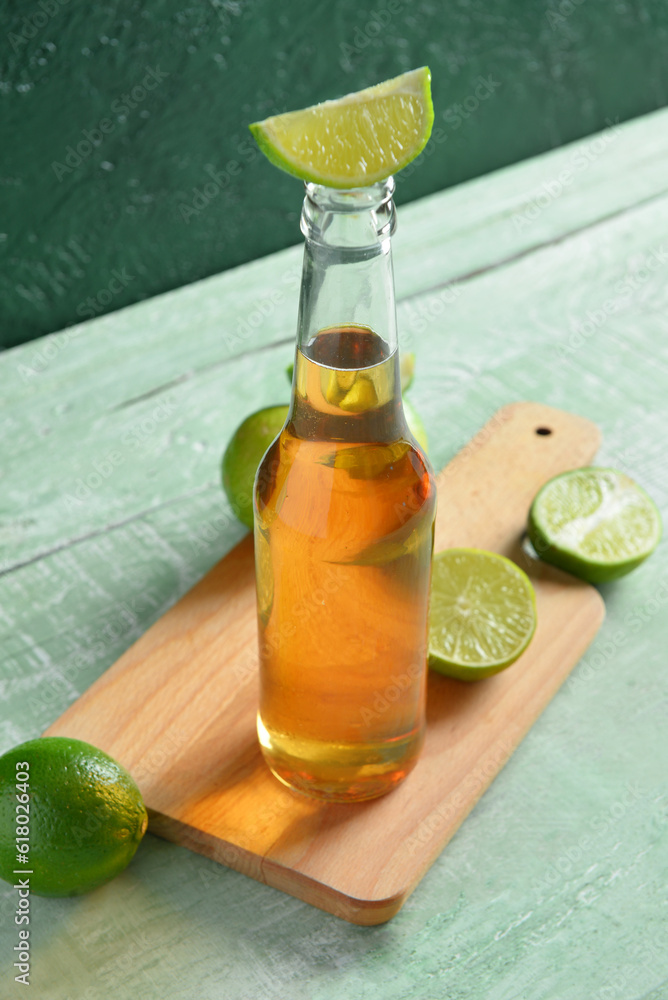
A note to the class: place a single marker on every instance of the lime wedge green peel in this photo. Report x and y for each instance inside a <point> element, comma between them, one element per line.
<point>595,523</point>
<point>356,140</point>
<point>482,613</point>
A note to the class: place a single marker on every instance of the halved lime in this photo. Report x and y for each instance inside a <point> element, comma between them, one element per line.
<point>243,455</point>
<point>482,613</point>
<point>356,140</point>
<point>595,523</point>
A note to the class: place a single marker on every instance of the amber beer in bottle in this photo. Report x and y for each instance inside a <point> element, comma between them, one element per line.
<point>344,513</point>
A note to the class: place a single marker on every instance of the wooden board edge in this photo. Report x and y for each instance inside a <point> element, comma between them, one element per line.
<point>372,910</point>
<point>363,912</point>
<point>512,739</point>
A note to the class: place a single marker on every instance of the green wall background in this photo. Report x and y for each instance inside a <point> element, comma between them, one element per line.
<point>165,92</point>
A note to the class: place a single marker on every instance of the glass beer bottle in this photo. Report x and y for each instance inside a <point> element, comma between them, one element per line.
<point>344,513</point>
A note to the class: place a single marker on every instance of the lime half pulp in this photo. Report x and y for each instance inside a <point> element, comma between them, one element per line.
<point>482,613</point>
<point>595,523</point>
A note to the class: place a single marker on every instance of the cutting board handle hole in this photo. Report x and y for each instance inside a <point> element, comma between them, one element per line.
<point>543,431</point>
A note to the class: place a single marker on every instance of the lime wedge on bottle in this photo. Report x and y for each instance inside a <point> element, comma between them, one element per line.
<point>482,613</point>
<point>595,523</point>
<point>356,140</point>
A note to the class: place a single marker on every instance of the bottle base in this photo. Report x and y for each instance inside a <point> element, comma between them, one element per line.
<point>339,772</point>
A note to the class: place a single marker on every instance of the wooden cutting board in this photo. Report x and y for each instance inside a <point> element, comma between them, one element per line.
<point>178,708</point>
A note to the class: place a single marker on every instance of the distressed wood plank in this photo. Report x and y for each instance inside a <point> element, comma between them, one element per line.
<point>571,301</point>
<point>440,239</point>
<point>572,832</point>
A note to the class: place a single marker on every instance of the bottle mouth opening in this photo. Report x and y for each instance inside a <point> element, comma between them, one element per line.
<point>374,196</point>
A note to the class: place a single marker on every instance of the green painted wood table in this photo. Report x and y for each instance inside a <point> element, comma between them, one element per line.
<point>547,281</point>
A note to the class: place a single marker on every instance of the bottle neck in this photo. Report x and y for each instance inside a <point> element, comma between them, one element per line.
<point>347,278</point>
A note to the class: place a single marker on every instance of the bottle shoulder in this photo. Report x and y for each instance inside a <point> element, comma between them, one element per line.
<point>295,471</point>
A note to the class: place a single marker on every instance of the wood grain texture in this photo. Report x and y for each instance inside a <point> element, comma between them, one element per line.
<point>568,846</point>
<point>161,386</point>
<point>191,680</point>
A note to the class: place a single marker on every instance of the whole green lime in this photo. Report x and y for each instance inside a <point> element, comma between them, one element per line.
<point>243,455</point>
<point>253,436</point>
<point>72,811</point>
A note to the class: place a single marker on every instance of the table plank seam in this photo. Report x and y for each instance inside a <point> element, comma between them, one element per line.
<point>113,526</point>
<point>202,488</point>
<point>200,370</point>
<point>536,248</point>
